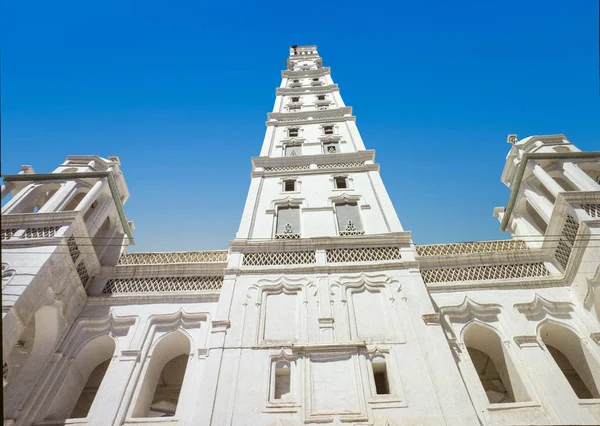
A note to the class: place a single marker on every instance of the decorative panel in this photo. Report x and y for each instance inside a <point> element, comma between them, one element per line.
<point>341,165</point>
<point>334,385</point>
<point>279,258</point>
<point>281,316</point>
<point>45,232</point>
<point>73,249</point>
<point>169,284</point>
<point>176,257</point>
<point>7,233</point>
<point>592,210</point>
<point>286,168</point>
<point>566,241</point>
<point>366,254</point>
<point>369,314</point>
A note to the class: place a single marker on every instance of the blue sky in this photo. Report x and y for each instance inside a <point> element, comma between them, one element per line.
<point>180,91</point>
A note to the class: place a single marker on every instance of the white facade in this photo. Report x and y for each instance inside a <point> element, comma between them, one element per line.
<point>322,311</point>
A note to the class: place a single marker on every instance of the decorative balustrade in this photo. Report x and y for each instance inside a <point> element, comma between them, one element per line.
<point>163,284</point>
<point>470,247</point>
<point>491,272</point>
<point>173,257</point>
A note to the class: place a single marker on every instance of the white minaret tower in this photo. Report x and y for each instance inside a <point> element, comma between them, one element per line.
<point>320,318</point>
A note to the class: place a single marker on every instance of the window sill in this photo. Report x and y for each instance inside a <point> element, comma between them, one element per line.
<point>76,421</point>
<point>389,401</point>
<point>591,401</point>
<point>150,420</point>
<point>513,405</point>
<point>283,407</point>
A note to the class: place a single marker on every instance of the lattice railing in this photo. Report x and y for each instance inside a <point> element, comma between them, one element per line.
<point>7,233</point>
<point>470,247</point>
<point>173,257</point>
<point>491,272</point>
<point>82,273</point>
<point>592,210</point>
<point>279,258</point>
<point>167,284</point>
<point>341,165</point>
<point>287,168</point>
<point>288,236</point>
<point>73,249</point>
<point>566,241</point>
<point>45,232</point>
<point>363,254</point>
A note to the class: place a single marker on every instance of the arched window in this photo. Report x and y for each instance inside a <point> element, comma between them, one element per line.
<point>102,236</point>
<point>164,377</point>
<point>348,218</point>
<point>577,365</point>
<point>30,354</point>
<point>78,392</point>
<point>35,199</point>
<point>496,372</point>
<point>537,220</point>
<point>75,200</point>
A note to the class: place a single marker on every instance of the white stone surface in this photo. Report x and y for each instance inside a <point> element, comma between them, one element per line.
<point>325,324</point>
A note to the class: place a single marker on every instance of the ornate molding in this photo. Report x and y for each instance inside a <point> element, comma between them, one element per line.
<point>542,306</point>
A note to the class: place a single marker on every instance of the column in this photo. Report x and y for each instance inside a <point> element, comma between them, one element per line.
<point>540,203</point>
<point>61,197</point>
<point>548,181</point>
<point>580,178</point>
<point>91,196</point>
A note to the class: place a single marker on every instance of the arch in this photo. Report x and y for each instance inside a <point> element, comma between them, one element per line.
<point>35,344</point>
<point>164,376</point>
<point>102,236</point>
<point>78,392</point>
<point>72,205</point>
<point>538,222</point>
<point>497,374</point>
<point>35,199</point>
<point>576,363</point>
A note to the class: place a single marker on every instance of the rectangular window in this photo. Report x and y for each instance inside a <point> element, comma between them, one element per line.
<point>348,217</point>
<point>288,222</point>
<point>294,109</point>
<point>282,381</point>
<point>293,133</point>
<point>315,79</point>
<point>341,182</point>
<point>289,185</point>
<point>293,150</point>
<point>328,130</point>
<point>295,99</point>
<point>382,386</point>
<point>321,97</point>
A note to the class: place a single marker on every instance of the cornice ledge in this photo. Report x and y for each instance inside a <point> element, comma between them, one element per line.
<point>512,283</point>
<point>345,157</point>
<point>470,308</point>
<point>527,341</point>
<point>397,238</point>
<point>312,72</point>
<point>309,115</point>
<point>306,89</point>
<point>162,270</point>
<point>120,299</point>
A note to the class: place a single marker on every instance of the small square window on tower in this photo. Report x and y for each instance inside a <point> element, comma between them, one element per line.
<point>293,132</point>
<point>289,185</point>
<point>295,99</point>
<point>341,182</point>
<point>315,79</point>
<point>331,147</point>
<point>321,97</point>
<point>328,130</point>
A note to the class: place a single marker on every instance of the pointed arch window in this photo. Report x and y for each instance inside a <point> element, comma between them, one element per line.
<point>348,218</point>
<point>579,367</point>
<point>288,222</point>
<point>164,377</point>
<point>81,386</point>
<point>497,375</point>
